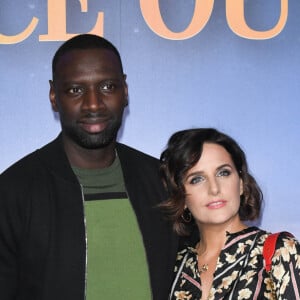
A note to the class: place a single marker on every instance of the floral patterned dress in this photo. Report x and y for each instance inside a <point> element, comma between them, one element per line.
<point>240,272</point>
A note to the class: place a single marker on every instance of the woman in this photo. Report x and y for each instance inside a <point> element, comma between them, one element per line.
<point>211,191</point>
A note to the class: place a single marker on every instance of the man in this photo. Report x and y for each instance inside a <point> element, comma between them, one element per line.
<point>79,217</point>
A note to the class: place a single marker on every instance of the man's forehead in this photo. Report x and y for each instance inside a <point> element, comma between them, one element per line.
<point>82,57</point>
<point>83,53</point>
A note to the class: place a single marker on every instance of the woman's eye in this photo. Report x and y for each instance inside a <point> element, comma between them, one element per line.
<point>224,173</point>
<point>196,179</point>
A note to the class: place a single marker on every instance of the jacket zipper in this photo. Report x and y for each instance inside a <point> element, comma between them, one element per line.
<point>86,245</point>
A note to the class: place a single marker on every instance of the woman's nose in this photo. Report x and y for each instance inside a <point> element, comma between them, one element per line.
<point>214,187</point>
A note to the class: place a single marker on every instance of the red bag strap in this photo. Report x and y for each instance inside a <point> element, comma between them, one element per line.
<point>269,249</point>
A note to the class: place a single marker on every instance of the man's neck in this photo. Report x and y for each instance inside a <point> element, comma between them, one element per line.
<point>90,158</point>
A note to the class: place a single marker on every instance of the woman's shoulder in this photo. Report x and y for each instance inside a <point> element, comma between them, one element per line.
<point>286,261</point>
<point>284,249</point>
<point>287,243</point>
<point>282,239</point>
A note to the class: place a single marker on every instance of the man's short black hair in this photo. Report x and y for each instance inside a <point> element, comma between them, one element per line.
<point>84,41</point>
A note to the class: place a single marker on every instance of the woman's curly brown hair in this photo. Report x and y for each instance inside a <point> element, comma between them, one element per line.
<point>183,151</point>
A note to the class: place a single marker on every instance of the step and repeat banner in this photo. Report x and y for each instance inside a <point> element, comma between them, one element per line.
<point>229,64</point>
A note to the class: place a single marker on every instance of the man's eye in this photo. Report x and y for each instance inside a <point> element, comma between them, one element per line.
<point>75,90</point>
<point>223,173</point>
<point>107,87</point>
<point>196,179</point>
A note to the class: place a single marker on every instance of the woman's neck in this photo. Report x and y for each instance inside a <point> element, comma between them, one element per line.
<point>213,237</point>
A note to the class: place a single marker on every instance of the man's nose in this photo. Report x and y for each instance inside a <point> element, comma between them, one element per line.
<point>93,100</point>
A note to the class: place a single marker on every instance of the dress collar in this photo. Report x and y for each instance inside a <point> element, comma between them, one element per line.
<point>231,237</point>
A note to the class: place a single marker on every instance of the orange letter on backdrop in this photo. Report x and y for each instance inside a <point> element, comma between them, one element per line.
<point>57,14</point>
<point>151,13</point>
<point>14,39</point>
<point>236,21</point>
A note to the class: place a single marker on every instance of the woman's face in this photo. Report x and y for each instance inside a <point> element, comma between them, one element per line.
<point>213,188</point>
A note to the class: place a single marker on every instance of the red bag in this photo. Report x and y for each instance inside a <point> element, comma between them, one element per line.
<point>268,252</point>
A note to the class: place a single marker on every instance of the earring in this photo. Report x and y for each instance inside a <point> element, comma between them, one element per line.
<point>186,216</point>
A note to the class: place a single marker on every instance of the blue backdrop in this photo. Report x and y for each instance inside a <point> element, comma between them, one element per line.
<point>245,86</point>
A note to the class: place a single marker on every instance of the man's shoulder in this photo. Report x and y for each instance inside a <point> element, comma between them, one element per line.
<point>135,154</point>
<point>137,164</point>
<point>28,164</point>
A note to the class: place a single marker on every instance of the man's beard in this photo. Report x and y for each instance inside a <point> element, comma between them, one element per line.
<point>92,140</point>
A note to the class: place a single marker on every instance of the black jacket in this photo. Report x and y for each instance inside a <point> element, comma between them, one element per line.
<point>42,230</point>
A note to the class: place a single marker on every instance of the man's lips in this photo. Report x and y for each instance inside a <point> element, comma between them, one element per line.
<point>216,204</point>
<point>93,125</point>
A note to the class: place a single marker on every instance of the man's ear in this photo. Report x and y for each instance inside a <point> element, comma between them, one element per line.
<point>52,96</point>
<point>125,90</point>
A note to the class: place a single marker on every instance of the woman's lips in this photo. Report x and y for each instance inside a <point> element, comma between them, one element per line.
<point>216,204</point>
